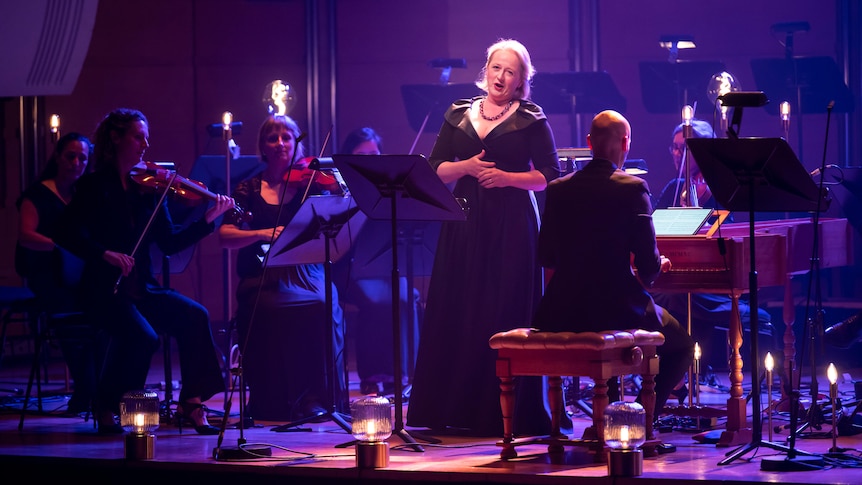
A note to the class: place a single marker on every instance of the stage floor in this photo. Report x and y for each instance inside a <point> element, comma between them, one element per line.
<point>56,446</point>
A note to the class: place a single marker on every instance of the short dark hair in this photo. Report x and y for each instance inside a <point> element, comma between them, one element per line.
<point>358,137</point>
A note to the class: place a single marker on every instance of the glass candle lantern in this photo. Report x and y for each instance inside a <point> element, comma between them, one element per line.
<point>625,432</point>
<point>371,427</point>
<point>139,415</point>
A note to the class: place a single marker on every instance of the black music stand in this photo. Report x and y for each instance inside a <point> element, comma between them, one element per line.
<point>576,92</point>
<point>210,170</point>
<point>426,103</point>
<point>372,258</point>
<point>394,188</point>
<point>810,83</point>
<point>321,221</point>
<point>668,86</point>
<point>757,175</point>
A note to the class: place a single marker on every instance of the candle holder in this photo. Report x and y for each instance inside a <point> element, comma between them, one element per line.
<point>139,415</point>
<point>625,432</point>
<point>371,427</point>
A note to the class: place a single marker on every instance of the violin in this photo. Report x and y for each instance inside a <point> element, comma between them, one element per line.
<point>152,176</point>
<point>302,173</point>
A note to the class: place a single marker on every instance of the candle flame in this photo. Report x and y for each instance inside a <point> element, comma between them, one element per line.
<point>832,374</point>
<point>769,362</point>
<point>687,114</point>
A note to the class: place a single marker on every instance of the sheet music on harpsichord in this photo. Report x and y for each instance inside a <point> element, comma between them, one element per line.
<point>679,221</point>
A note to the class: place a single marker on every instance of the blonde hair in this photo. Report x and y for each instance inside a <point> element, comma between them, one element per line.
<point>527,69</point>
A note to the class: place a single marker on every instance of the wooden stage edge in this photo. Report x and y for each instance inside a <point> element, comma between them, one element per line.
<point>53,447</point>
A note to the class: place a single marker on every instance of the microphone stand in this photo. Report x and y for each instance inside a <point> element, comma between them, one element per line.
<point>814,324</point>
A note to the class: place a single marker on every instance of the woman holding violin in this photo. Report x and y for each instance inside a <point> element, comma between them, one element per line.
<point>110,223</point>
<point>281,310</point>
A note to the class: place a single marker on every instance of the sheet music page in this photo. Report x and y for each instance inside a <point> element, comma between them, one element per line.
<point>679,221</point>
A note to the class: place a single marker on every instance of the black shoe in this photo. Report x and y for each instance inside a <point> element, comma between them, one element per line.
<point>844,334</point>
<point>193,414</point>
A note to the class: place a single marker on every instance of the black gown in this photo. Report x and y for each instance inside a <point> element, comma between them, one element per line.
<point>485,279</point>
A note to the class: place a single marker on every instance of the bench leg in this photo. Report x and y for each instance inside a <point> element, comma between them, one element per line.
<point>600,402</point>
<point>555,400</point>
<point>507,405</point>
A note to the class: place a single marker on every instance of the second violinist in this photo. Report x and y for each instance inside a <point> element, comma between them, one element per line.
<point>281,310</point>
<point>108,217</point>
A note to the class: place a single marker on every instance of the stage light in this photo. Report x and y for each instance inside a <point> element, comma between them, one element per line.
<point>673,43</point>
<point>371,427</point>
<point>720,84</point>
<point>139,415</point>
<point>279,98</point>
<point>625,432</point>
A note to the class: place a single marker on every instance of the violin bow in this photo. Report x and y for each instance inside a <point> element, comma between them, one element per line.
<point>320,154</point>
<point>147,227</point>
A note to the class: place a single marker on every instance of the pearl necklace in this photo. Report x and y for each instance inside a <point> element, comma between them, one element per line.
<point>493,118</point>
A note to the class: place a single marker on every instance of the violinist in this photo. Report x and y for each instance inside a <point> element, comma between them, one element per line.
<point>110,223</point>
<point>281,310</point>
<point>708,311</point>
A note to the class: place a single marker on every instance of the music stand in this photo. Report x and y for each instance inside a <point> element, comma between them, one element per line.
<point>809,82</point>
<point>372,259</point>
<point>576,92</point>
<point>668,86</point>
<point>210,170</point>
<point>308,239</point>
<point>756,175</point>
<point>398,187</point>
<point>426,103</point>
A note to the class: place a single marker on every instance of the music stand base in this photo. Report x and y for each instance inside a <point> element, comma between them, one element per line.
<point>335,417</point>
<point>234,453</point>
<point>796,464</point>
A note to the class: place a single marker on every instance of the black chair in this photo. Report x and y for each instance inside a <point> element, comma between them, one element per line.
<point>61,324</point>
<point>17,305</point>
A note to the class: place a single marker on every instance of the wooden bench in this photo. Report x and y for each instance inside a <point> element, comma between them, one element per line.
<point>598,355</point>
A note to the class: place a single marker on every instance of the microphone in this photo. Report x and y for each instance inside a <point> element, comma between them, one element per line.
<point>301,137</point>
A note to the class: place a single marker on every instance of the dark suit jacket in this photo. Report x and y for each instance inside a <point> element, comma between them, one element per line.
<point>595,220</point>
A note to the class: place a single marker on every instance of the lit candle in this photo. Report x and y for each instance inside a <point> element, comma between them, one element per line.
<point>139,420</point>
<point>785,119</point>
<point>624,437</point>
<point>687,115</point>
<point>696,386</point>
<point>769,363</point>
<point>832,375</point>
<point>371,428</point>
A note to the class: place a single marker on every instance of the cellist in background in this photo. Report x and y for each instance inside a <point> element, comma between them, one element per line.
<point>109,217</point>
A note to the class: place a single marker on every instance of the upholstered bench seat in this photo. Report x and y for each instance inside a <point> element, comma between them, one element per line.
<point>598,355</point>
